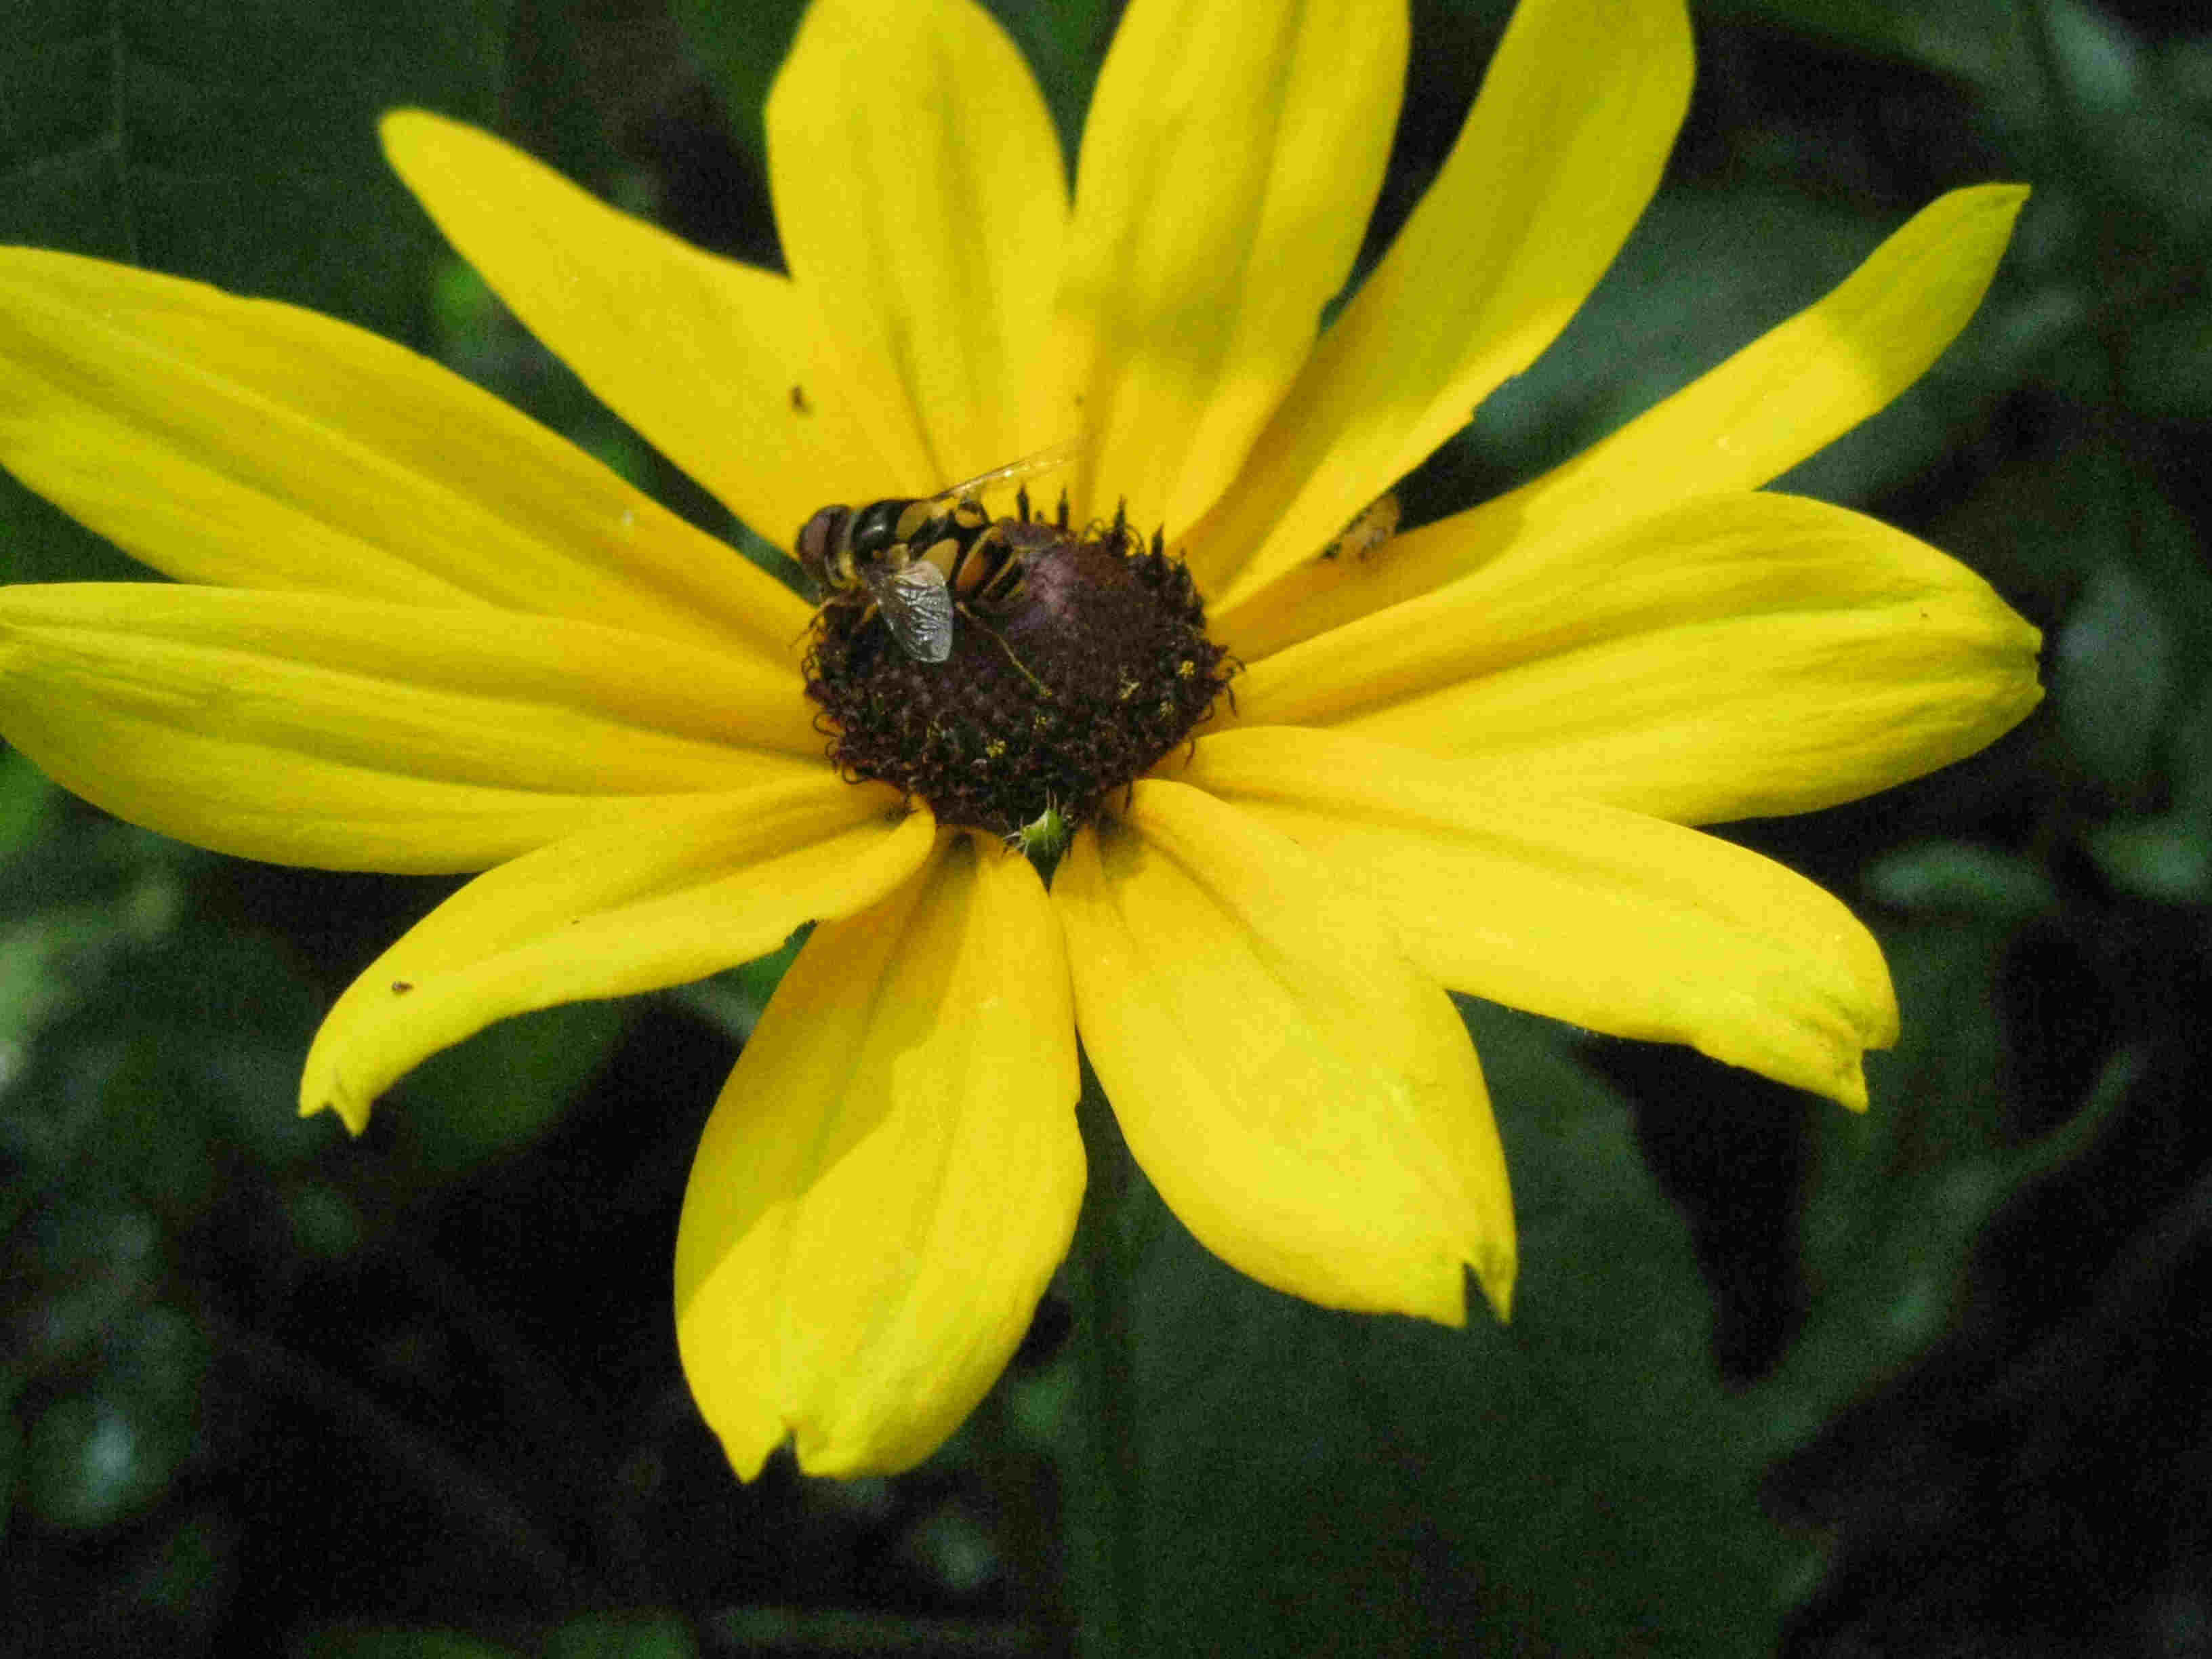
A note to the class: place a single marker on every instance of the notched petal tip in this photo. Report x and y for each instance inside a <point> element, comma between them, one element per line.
<point>889,1180</point>
<point>1606,919</point>
<point>352,1110</point>
<point>1496,1274</point>
<point>1850,1092</point>
<point>665,896</point>
<point>1305,1099</point>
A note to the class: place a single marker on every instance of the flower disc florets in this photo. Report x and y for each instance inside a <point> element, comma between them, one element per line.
<point>1088,663</point>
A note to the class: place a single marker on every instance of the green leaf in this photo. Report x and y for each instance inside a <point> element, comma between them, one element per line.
<point>623,1635</point>
<point>26,803</point>
<point>352,1643</point>
<point>11,1464</point>
<point>97,1457</point>
<point>741,48</point>
<point>1903,1192</point>
<point>1569,1484</point>
<point>325,1221</point>
<point>506,1084</point>
<point>733,1000</point>
<point>2169,362</point>
<point>1979,42</point>
<point>1958,877</point>
<point>2167,858</point>
<point>233,143</point>
<point>1704,273</point>
<point>84,1466</point>
<point>1065,41</point>
<point>2114,677</point>
<point>1579,1481</point>
<point>92,1255</point>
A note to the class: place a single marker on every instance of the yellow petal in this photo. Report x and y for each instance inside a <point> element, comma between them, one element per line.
<point>890,1177</point>
<point>723,367</point>
<point>249,443</point>
<point>1732,657</point>
<point>1230,159</point>
<point>1800,386</point>
<point>1304,1097</point>
<point>347,734</point>
<point>1788,394</point>
<point>1562,151</point>
<point>657,897</point>
<point>1605,918</point>
<point>921,200</point>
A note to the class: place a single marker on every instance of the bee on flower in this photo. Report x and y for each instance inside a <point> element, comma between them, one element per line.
<point>1280,802</point>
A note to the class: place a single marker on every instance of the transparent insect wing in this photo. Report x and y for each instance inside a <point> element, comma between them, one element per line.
<point>1044,460</point>
<point>917,607</point>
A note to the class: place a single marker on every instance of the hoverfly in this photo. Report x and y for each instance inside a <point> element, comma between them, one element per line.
<point>910,554</point>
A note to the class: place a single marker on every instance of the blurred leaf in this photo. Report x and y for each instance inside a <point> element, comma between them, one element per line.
<point>505,1084</point>
<point>61,176</point>
<point>1039,1403</point>
<point>733,1000</point>
<point>89,1256</point>
<point>1903,1191</point>
<point>2167,860</point>
<point>1065,41</point>
<point>84,1467</point>
<point>57,958</point>
<point>567,62</point>
<point>2169,363</point>
<point>741,48</point>
<point>189,1574</point>
<point>1579,1481</point>
<point>950,1547</point>
<point>42,543</point>
<point>43,964</point>
<point>26,803</point>
<point>142,1044</point>
<point>1704,273</point>
<point>2184,71</point>
<point>2065,523</point>
<point>623,1635</point>
<point>153,1133</point>
<point>1573,1482</point>
<point>326,1222</point>
<point>2190,759</point>
<point>1957,876</point>
<point>1982,43</point>
<point>100,1455</point>
<point>399,1644</point>
<point>236,1018</point>
<point>2113,678</point>
<point>235,143</point>
<point>11,1464</point>
<point>2155,156</point>
<point>2100,60</point>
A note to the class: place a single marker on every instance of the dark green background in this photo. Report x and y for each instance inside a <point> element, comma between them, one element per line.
<point>1926,1382</point>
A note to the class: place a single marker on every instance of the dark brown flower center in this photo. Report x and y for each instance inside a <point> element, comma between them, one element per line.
<point>1080,661</point>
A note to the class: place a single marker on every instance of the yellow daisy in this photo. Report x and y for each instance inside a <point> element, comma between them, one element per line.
<point>410,631</point>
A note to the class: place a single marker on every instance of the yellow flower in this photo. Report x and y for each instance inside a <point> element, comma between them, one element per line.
<point>409,631</point>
